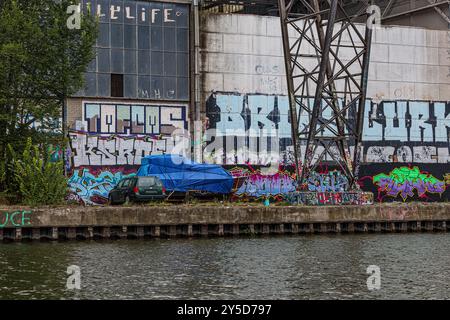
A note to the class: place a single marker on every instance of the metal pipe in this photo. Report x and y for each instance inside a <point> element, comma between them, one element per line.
<point>290,85</point>
<point>361,106</point>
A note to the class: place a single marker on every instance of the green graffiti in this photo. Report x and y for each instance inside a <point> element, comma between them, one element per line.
<point>15,219</point>
<point>405,180</point>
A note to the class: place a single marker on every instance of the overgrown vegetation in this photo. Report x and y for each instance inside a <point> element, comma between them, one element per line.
<point>38,179</point>
<point>42,62</point>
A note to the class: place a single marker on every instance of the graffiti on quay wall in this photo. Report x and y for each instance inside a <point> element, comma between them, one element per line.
<point>91,186</point>
<point>19,218</point>
<point>447,178</point>
<point>255,184</point>
<point>330,198</point>
<point>404,181</point>
<point>394,131</point>
<point>333,181</point>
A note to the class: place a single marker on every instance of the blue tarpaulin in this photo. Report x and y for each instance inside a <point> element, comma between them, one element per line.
<point>180,174</point>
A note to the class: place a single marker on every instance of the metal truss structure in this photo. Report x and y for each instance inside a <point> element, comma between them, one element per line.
<point>326,47</point>
<point>390,9</point>
<point>327,61</point>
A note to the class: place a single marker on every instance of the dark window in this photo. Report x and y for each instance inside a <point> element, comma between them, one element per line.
<point>126,183</point>
<point>146,181</point>
<point>116,85</point>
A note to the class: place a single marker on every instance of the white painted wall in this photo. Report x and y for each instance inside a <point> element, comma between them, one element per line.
<point>243,53</point>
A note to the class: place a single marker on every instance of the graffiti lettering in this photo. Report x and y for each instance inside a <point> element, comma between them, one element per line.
<point>333,181</point>
<point>394,131</point>
<point>405,180</point>
<point>330,198</point>
<point>15,219</point>
<point>94,189</point>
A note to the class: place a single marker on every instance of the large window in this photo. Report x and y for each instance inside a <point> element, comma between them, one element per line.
<point>142,47</point>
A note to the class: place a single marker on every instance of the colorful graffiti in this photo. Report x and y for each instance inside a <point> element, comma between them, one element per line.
<point>19,218</point>
<point>404,181</point>
<point>92,187</point>
<point>447,178</point>
<point>330,198</point>
<point>333,181</point>
<point>100,150</point>
<point>134,119</point>
<point>394,131</point>
<point>116,134</point>
<point>257,185</point>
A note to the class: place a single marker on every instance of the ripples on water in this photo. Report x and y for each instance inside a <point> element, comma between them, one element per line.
<point>413,266</point>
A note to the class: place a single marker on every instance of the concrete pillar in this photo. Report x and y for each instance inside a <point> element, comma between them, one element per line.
<point>36,234</point>
<point>323,228</point>
<point>204,230</point>
<point>392,227</point>
<point>419,226</point>
<point>190,232</point>
<point>140,232</point>
<point>157,231</point>
<point>251,227</point>
<point>124,232</point>
<point>311,228</point>
<point>351,227</point>
<point>172,231</point>
<point>55,233</point>
<point>71,233</point>
<point>221,233</point>
<point>281,228</point>
<point>265,229</point>
<point>235,229</point>
<point>90,233</point>
<point>338,227</point>
<point>444,226</point>
<point>377,227</point>
<point>404,227</point>
<point>294,228</point>
<point>106,232</point>
<point>365,227</point>
<point>18,234</point>
<point>429,225</point>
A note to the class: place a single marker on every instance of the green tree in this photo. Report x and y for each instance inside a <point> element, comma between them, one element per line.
<point>42,62</point>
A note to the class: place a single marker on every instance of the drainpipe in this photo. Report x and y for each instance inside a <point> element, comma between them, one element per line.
<point>196,121</point>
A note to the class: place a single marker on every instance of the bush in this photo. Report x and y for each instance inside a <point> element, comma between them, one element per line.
<point>39,180</point>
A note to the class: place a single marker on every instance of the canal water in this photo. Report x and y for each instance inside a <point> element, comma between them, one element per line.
<point>412,266</point>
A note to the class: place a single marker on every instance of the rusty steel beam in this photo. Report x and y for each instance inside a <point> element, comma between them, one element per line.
<point>327,62</point>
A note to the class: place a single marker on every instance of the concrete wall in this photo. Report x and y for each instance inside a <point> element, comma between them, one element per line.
<point>109,138</point>
<point>243,53</point>
<point>407,118</point>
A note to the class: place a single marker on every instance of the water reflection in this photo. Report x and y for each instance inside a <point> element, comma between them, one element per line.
<point>413,266</point>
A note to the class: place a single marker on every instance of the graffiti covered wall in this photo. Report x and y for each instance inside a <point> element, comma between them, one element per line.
<point>415,182</point>
<point>403,141</point>
<point>394,131</point>
<point>111,140</point>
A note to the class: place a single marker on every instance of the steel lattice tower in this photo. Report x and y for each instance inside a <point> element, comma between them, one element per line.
<point>326,57</point>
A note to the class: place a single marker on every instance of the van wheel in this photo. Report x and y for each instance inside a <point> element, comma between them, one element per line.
<point>127,201</point>
<point>110,201</point>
